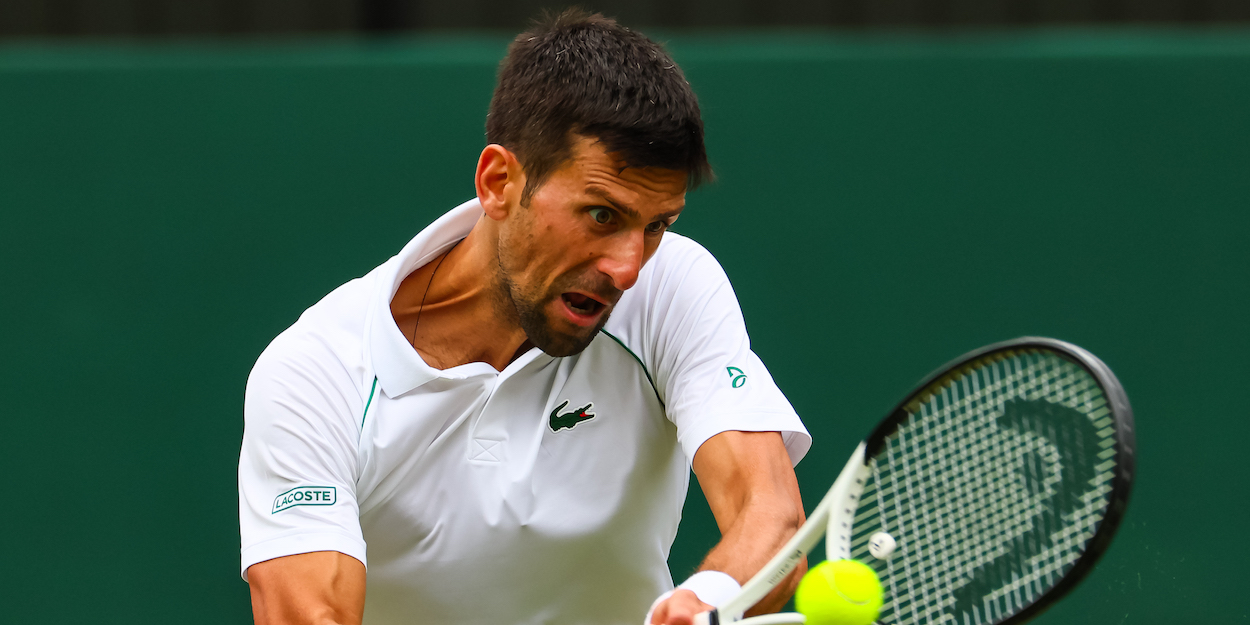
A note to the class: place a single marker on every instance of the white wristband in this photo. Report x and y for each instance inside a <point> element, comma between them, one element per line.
<point>711,587</point>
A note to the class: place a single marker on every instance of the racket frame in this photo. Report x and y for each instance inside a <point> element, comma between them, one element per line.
<point>836,510</point>
<point>1125,445</point>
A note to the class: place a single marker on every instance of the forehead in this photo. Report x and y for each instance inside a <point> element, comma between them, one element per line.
<point>591,169</point>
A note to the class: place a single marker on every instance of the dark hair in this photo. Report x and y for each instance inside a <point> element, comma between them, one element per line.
<point>583,74</point>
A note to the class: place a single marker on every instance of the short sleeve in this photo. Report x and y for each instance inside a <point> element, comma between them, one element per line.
<point>298,465</point>
<point>709,378</point>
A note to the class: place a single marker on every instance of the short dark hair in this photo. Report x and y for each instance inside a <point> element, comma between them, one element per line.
<point>580,74</point>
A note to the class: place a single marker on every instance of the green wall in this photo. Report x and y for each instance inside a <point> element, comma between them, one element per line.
<point>884,204</point>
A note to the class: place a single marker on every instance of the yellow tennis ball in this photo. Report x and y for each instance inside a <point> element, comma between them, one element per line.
<point>839,592</point>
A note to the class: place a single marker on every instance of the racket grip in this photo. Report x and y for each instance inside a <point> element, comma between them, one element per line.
<point>707,618</point>
<point>782,618</point>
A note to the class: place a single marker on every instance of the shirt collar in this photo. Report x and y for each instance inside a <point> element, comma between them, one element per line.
<point>396,364</point>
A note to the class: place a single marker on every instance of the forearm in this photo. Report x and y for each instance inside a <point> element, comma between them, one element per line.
<point>751,488</point>
<point>759,531</point>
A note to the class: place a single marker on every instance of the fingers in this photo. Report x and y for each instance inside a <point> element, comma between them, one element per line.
<point>679,609</point>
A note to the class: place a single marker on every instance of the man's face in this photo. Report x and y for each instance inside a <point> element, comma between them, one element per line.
<point>567,257</point>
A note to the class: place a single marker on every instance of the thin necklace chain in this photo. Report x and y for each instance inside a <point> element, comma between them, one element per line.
<point>421,306</point>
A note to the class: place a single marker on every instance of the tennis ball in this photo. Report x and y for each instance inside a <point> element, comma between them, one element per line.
<point>839,592</point>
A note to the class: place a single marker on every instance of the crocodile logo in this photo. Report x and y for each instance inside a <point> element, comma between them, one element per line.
<point>570,419</point>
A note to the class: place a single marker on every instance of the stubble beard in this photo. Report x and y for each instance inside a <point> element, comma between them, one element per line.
<point>527,310</point>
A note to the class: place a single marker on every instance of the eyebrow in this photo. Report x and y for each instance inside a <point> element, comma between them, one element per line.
<point>605,196</point>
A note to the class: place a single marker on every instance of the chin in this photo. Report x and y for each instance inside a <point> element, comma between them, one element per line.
<point>562,343</point>
<point>554,335</point>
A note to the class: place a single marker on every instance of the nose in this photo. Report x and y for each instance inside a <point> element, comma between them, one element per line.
<point>622,260</point>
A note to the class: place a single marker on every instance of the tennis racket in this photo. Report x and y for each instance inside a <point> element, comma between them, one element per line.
<point>1000,481</point>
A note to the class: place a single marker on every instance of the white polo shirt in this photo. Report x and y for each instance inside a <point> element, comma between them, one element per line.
<point>549,492</point>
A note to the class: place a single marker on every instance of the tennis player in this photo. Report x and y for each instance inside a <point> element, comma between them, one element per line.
<point>497,425</point>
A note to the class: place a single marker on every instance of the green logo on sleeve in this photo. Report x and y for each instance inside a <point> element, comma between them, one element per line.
<point>570,419</point>
<point>737,376</point>
<point>305,496</point>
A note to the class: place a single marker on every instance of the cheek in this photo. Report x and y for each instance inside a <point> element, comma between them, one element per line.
<point>548,252</point>
<point>534,259</point>
<point>649,249</point>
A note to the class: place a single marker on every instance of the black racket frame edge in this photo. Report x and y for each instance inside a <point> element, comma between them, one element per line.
<point>1126,452</point>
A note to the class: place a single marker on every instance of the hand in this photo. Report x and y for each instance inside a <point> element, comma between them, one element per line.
<point>679,609</point>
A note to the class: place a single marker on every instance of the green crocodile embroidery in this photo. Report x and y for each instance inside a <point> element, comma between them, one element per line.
<point>570,419</point>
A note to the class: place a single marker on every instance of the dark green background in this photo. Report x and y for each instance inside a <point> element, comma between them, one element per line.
<point>884,204</point>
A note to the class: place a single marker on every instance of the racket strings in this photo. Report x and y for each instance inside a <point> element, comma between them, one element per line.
<point>986,469</point>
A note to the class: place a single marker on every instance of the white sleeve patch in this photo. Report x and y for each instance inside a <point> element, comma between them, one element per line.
<point>305,496</point>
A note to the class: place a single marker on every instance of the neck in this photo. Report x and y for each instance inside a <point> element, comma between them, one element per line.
<point>454,312</point>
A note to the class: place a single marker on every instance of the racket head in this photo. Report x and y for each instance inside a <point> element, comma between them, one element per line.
<point>1002,479</point>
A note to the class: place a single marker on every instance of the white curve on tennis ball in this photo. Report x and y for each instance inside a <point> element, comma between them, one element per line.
<point>881,545</point>
<point>847,599</point>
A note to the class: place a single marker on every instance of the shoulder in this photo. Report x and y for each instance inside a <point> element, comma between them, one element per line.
<point>681,273</point>
<point>680,253</point>
<point>681,289</point>
<point>319,361</point>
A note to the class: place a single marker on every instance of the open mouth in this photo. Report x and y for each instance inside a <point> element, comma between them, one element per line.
<point>582,305</point>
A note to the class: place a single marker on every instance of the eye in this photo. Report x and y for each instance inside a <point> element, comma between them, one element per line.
<point>601,215</point>
<point>656,227</point>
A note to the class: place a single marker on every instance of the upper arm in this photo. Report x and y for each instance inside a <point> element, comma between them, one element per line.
<point>318,588</point>
<point>741,470</point>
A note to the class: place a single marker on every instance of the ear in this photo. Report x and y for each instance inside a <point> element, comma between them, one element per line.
<point>499,180</point>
